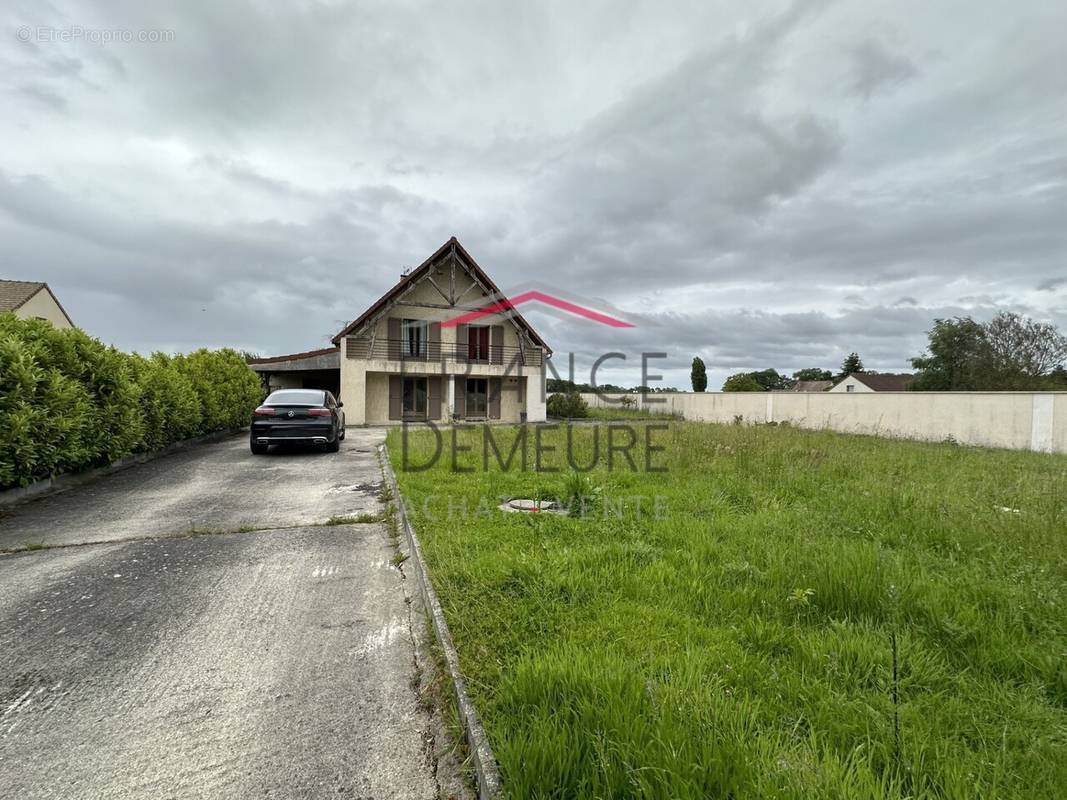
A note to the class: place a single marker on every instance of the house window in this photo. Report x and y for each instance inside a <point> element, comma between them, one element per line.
<point>414,334</point>
<point>477,397</point>
<point>478,343</point>
<point>413,402</point>
<point>849,387</point>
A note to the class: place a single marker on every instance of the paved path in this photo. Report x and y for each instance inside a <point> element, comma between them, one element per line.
<point>276,663</point>
<point>221,486</point>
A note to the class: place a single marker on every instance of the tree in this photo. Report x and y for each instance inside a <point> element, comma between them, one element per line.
<point>959,358</point>
<point>770,379</point>
<point>813,374</point>
<point>742,382</point>
<point>1010,352</point>
<point>850,365</point>
<point>1022,350</point>
<point>1058,379</point>
<point>699,375</point>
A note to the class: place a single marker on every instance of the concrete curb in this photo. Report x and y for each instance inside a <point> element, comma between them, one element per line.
<point>60,483</point>
<point>485,766</point>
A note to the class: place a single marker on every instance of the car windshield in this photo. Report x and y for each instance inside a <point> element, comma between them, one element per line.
<point>297,397</point>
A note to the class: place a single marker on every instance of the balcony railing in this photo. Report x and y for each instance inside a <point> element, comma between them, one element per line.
<point>464,353</point>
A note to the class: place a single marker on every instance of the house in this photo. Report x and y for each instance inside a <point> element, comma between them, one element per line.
<point>811,386</point>
<point>429,349</point>
<point>33,300</point>
<point>874,382</point>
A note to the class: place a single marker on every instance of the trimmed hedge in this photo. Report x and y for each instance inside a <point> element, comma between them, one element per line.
<point>68,402</point>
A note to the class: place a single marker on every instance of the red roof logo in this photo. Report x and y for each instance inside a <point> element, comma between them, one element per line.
<point>509,304</point>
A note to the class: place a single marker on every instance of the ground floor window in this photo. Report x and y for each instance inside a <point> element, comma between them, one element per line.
<point>477,397</point>
<point>413,402</point>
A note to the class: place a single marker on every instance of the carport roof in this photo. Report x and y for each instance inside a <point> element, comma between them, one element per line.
<point>326,358</point>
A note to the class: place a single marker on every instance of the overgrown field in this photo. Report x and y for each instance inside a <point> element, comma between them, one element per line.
<point>732,633</point>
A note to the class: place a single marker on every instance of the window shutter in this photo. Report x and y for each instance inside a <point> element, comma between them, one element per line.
<point>396,396</point>
<point>394,338</point>
<point>496,344</point>
<point>433,402</point>
<point>461,343</point>
<point>494,398</point>
<point>433,352</point>
<point>461,396</point>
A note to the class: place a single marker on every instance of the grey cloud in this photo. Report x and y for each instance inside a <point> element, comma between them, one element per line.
<point>263,177</point>
<point>44,96</point>
<point>877,69</point>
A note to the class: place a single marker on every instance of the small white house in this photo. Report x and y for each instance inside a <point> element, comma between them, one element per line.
<point>874,382</point>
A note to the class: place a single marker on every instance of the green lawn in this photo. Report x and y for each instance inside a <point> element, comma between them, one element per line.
<point>739,643</point>
<point>621,412</point>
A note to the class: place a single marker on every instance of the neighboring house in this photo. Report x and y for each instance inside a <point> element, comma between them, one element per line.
<point>405,358</point>
<point>32,300</point>
<point>874,382</point>
<point>811,386</point>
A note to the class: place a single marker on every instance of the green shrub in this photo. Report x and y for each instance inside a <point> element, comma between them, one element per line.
<point>226,388</point>
<point>45,416</point>
<point>567,406</point>
<point>68,402</point>
<point>169,405</point>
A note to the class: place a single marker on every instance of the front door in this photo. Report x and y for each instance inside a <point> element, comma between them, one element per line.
<point>477,398</point>
<point>414,398</point>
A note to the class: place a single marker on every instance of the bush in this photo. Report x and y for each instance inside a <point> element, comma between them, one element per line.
<point>68,402</point>
<point>169,405</point>
<point>567,406</point>
<point>227,389</point>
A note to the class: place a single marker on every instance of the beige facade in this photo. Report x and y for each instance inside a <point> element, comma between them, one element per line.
<point>405,360</point>
<point>1014,420</point>
<point>851,385</point>
<point>31,300</point>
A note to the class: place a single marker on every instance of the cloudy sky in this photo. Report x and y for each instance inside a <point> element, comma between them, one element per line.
<point>762,184</point>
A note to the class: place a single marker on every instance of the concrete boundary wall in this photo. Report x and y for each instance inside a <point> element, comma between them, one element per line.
<point>1011,420</point>
<point>482,759</point>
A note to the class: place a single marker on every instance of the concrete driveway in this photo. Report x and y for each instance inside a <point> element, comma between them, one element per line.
<point>215,487</point>
<point>137,660</point>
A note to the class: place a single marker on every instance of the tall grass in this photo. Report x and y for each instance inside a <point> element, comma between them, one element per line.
<point>810,615</point>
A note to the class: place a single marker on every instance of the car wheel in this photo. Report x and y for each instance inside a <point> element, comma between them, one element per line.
<point>258,449</point>
<point>334,446</point>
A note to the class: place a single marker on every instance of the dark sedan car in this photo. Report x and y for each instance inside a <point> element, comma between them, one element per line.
<point>307,416</point>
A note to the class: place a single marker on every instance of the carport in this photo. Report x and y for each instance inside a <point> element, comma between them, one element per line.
<point>315,369</point>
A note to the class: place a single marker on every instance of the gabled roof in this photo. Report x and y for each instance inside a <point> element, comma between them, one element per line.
<point>450,249</point>
<point>812,386</point>
<point>884,381</point>
<point>15,294</point>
